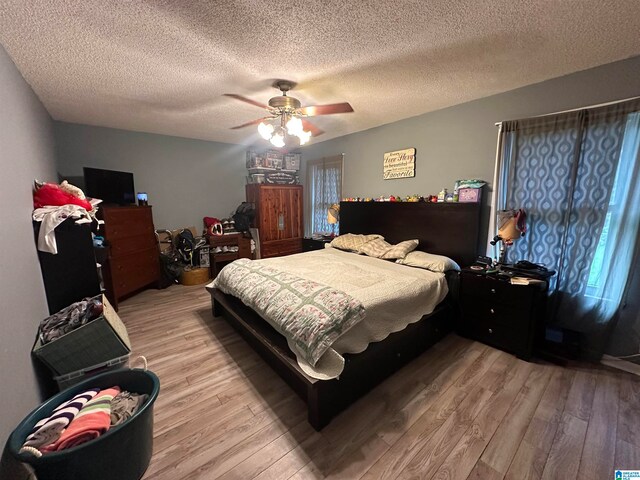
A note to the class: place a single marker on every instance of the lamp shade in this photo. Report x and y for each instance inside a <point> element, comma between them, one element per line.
<point>508,231</point>
<point>333,214</point>
<point>511,224</point>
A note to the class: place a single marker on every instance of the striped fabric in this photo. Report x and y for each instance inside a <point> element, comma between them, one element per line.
<point>49,429</point>
<point>92,421</point>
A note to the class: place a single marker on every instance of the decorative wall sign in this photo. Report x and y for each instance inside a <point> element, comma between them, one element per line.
<point>400,164</point>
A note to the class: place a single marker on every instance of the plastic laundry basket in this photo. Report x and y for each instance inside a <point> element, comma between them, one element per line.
<point>122,453</point>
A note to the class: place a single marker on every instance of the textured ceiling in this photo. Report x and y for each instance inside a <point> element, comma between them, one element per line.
<point>162,66</point>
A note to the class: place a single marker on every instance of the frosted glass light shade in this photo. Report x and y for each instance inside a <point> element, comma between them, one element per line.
<point>277,140</point>
<point>304,137</point>
<point>294,126</point>
<point>265,130</point>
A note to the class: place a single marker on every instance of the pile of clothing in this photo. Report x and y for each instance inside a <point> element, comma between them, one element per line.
<point>83,418</point>
<point>69,318</point>
<point>55,203</point>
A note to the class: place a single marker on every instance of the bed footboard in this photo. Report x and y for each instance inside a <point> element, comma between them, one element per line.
<point>327,398</point>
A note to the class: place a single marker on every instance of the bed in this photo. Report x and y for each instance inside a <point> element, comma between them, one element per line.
<point>445,229</point>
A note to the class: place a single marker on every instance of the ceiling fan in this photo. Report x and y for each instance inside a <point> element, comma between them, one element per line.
<point>286,116</point>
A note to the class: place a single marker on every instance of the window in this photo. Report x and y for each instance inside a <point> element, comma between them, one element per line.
<point>612,228</point>
<point>324,188</point>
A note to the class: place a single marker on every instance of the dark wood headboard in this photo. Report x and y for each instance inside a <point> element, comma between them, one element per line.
<point>449,229</point>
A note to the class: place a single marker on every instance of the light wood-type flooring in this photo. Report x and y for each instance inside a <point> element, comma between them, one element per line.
<point>462,410</point>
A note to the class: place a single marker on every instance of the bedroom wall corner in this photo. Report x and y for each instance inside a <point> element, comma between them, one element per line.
<point>26,153</point>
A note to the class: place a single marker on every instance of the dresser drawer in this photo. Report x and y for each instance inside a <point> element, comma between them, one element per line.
<point>132,272</point>
<point>126,246</point>
<point>507,338</point>
<point>497,291</point>
<point>127,222</point>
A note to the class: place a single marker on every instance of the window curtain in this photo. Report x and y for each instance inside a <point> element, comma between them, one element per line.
<point>576,176</point>
<point>324,188</point>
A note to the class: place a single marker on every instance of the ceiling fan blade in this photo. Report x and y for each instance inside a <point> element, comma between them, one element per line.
<point>245,100</point>
<point>310,127</point>
<point>315,110</point>
<point>252,122</point>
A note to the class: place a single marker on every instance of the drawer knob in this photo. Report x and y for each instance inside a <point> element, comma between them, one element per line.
<point>492,311</point>
<point>493,290</point>
<point>490,330</point>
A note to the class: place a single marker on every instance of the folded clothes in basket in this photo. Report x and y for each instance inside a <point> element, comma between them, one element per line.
<point>70,318</point>
<point>49,429</point>
<point>125,405</point>
<point>92,421</point>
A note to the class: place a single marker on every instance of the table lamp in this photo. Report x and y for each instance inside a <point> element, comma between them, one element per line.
<point>333,216</point>
<point>511,227</point>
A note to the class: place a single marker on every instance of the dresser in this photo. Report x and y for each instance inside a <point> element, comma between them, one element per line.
<point>505,316</point>
<point>133,261</point>
<point>278,218</point>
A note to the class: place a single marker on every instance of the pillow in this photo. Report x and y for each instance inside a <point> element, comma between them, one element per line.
<point>400,250</point>
<point>353,243</point>
<point>376,248</point>
<point>429,261</point>
<point>380,249</point>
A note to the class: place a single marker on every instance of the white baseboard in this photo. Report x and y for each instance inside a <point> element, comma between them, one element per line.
<point>625,365</point>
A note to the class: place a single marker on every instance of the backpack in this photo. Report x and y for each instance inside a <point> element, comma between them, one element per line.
<point>244,216</point>
<point>185,243</point>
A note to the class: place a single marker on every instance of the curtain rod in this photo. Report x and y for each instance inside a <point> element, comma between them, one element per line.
<point>576,109</point>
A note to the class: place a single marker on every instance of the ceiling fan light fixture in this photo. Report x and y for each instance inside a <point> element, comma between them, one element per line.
<point>277,140</point>
<point>294,126</point>
<point>304,137</point>
<point>265,130</point>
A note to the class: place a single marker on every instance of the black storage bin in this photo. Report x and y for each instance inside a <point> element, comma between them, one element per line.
<point>122,453</point>
<point>71,274</point>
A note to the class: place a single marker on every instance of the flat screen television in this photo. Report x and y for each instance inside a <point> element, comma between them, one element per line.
<point>110,186</point>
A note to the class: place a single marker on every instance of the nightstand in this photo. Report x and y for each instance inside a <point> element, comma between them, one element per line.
<point>231,240</point>
<point>311,244</point>
<point>505,316</point>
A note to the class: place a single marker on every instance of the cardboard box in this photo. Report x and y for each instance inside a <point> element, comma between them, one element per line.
<point>94,343</point>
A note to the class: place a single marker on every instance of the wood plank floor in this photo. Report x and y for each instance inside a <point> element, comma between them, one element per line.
<point>460,411</point>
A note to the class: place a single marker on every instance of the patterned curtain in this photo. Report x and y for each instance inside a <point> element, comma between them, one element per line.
<point>570,172</point>
<point>324,187</point>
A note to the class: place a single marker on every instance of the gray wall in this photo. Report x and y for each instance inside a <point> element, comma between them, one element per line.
<point>460,141</point>
<point>185,179</point>
<point>26,152</point>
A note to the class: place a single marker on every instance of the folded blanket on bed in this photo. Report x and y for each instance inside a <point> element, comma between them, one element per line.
<point>309,314</point>
<point>49,429</point>
<point>91,422</point>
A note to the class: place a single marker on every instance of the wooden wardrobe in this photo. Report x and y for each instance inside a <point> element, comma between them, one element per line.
<point>278,218</point>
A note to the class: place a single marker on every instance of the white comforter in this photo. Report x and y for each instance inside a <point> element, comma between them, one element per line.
<point>393,296</point>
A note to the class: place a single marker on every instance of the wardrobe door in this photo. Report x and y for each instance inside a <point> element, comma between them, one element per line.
<point>270,209</point>
<point>292,208</point>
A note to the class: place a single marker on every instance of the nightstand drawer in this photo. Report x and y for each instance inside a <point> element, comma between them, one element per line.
<point>498,335</point>
<point>490,309</point>
<point>497,291</point>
